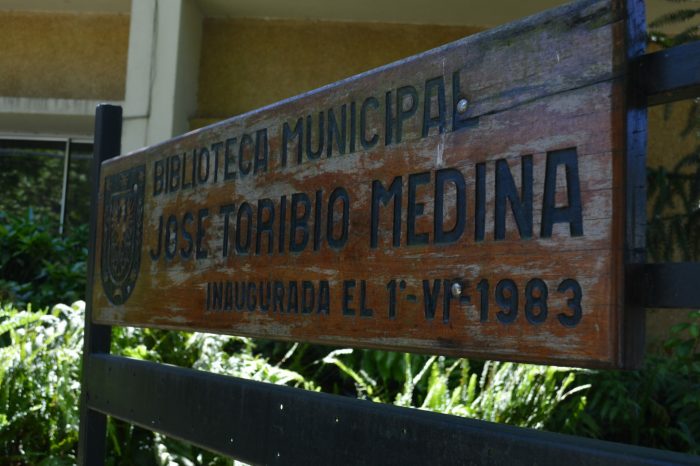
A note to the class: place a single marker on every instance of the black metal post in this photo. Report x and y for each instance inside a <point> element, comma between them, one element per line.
<point>93,424</point>
<point>671,285</point>
<point>633,321</point>
<point>671,74</point>
<point>662,77</point>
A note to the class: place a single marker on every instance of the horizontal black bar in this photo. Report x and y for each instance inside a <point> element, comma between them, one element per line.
<point>670,285</point>
<point>671,74</point>
<point>267,424</point>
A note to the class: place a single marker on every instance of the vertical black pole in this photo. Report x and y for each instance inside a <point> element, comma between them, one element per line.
<point>93,425</point>
<point>633,325</point>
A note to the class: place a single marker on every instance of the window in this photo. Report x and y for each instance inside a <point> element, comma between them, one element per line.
<point>50,176</point>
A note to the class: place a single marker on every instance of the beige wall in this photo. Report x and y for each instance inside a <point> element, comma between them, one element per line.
<point>248,63</point>
<point>63,55</point>
<point>666,143</point>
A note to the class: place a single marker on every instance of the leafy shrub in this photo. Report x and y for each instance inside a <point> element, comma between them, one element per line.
<point>680,17</point>
<point>40,360</point>
<point>519,394</point>
<point>673,231</point>
<point>37,264</point>
<point>674,223</point>
<point>657,406</point>
<point>233,356</point>
<point>39,384</point>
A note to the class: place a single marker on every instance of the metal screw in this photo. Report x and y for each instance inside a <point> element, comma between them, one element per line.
<point>456,290</point>
<point>462,105</point>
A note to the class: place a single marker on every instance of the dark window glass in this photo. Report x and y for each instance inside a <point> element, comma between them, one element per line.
<point>31,176</point>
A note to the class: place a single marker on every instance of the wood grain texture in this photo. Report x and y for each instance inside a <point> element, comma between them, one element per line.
<point>519,200</point>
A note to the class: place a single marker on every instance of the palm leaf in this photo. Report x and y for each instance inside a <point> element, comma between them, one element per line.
<point>688,35</point>
<point>674,17</point>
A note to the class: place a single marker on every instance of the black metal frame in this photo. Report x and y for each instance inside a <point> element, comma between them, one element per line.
<point>263,423</point>
<point>97,338</point>
<point>670,75</point>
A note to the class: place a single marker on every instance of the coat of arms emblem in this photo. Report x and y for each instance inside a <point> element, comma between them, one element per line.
<point>122,232</point>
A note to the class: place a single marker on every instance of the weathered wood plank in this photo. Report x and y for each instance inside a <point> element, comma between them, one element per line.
<point>352,214</point>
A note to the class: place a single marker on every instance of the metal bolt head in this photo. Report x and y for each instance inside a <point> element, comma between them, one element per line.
<point>456,290</point>
<point>462,105</point>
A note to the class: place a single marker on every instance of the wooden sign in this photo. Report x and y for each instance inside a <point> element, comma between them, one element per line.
<point>466,201</point>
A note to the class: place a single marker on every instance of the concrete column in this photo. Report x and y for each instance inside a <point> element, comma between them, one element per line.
<point>162,71</point>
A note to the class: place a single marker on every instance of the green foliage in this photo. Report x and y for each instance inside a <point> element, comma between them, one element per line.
<point>37,264</point>
<point>40,361</point>
<point>690,32</point>
<point>673,230</point>
<point>657,406</point>
<point>220,354</point>
<point>234,356</point>
<point>524,395</point>
<point>376,375</point>
<point>31,174</point>
<point>518,394</point>
<point>31,177</point>
<point>39,384</point>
